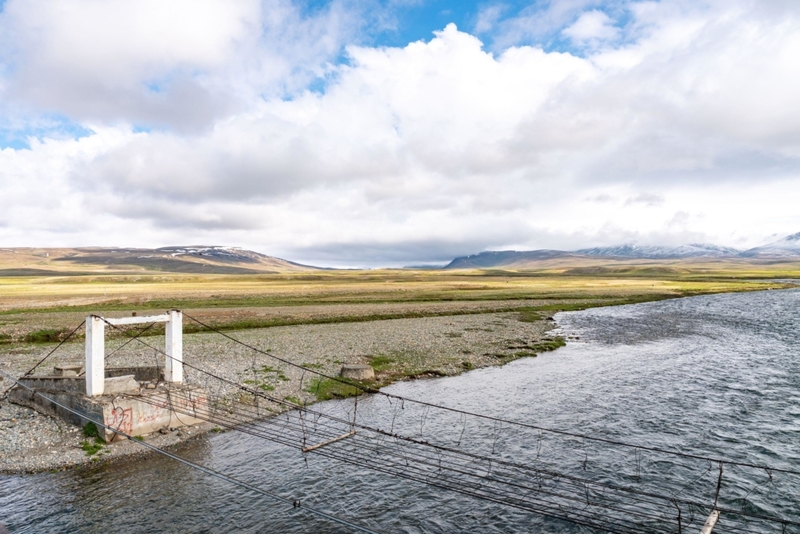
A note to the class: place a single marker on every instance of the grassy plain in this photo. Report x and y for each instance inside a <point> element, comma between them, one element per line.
<point>30,304</point>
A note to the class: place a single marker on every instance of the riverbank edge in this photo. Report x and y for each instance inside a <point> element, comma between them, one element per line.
<point>71,453</point>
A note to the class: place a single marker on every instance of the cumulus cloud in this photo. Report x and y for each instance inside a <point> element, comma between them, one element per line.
<point>182,64</point>
<point>685,127</point>
<point>592,26</point>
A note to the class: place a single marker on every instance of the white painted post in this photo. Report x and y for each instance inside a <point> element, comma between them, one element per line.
<point>173,366</point>
<point>95,356</point>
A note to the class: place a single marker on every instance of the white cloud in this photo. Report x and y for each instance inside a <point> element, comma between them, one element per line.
<point>592,26</point>
<point>539,22</point>
<point>689,131</point>
<point>180,64</point>
<point>488,17</point>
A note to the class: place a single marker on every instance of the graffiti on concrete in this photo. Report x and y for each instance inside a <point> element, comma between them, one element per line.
<point>121,419</point>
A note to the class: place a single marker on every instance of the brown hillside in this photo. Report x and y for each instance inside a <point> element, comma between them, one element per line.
<point>193,260</point>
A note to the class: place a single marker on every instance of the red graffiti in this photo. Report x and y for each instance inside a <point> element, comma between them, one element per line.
<point>121,419</point>
<point>150,417</point>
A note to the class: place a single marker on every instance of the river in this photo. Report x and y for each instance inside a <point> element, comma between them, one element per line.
<point>714,376</point>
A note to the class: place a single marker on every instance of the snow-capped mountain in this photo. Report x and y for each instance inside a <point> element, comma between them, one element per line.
<point>695,250</point>
<point>787,247</point>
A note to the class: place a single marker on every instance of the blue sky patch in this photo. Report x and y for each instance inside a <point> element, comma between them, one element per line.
<point>51,126</point>
<point>498,24</point>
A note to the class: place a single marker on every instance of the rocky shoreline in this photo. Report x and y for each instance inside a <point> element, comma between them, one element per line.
<point>398,349</point>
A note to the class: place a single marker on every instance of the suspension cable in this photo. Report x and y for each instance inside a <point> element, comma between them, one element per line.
<point>207,470</point>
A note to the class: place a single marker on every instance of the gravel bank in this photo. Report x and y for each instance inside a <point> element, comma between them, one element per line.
<point>429,346</point>
<point>15,325</point>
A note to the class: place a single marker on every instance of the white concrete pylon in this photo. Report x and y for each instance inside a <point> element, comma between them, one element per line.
<point>95,347</point>
<point>95,356</point>
<point>173,366</point>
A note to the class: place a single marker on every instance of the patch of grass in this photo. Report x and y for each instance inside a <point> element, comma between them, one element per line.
<point>467,365</point>
<point>138,438</point>
<point>92,448</point>
<point>5,338</point>
<point>380,362</point>
<point>325,388</point>
<point>45,336</point>
<point>266,369</point>
<point>313,365</point>
<point>90,430</point>
<point>265,378</point>
<point>94,443</point>
<point>293,400</point>
<point>530,315</point>
<point>548,344</point>
<point>532,349</point>
<point>264,386</point>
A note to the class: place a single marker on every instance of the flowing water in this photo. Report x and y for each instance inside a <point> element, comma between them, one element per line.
<point>715,376</point>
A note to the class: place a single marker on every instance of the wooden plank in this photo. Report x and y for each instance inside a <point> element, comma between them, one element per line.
<point>710,522</point>
<point>334,440</point>
<point>117,321</point>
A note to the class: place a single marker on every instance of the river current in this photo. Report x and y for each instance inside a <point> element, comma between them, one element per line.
<point>712,376</point>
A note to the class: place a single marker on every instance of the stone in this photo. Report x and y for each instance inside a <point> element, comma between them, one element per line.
<point>67,370</point>
<point>357,372</point>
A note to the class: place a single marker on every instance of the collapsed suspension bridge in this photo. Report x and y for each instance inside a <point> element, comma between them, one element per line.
<point>548,472</point>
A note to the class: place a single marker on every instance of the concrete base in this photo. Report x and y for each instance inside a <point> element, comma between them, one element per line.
<point>357,372</point>
<point>135,409</point>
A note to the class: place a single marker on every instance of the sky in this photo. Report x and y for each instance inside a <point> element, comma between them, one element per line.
<point>369,133</point>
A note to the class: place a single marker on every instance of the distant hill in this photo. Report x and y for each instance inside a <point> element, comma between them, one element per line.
<point>505,258</point>
<point>786,249</point>
<point>654,252</point>
<point>96,260</point>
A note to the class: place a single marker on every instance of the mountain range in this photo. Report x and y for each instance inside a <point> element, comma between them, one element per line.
<point>785,249</point>
<point>232,260</point>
